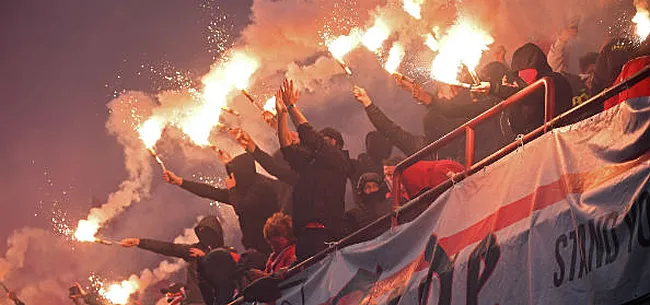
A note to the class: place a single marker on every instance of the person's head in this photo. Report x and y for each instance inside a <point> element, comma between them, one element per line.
<point>588,63</point>
<point>278,231</point>
<point>332,137</point>
<point>370,188</point>
<point>242,168</point>
<point>529,61</point>
<point>209,232</point>
<point>389,167</point>
<point>377,145</point>
<point>613,55</point>
<point>493,71</point>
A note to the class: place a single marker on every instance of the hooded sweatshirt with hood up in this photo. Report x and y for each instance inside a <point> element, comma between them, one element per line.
<point>370,208</point>
<point>210,235</point>
<point>529,62</point>
<point>378,148</point>
<point>253,199</point>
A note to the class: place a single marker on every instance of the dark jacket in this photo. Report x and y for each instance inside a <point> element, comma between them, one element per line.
<point>319,194</point>
<point>378,148</point>
<point>277,166</point>
<point>210,235</point>
<point>529,114</point>
<point>610,61</point>
<point>253,200</point>
<point>369,209</point>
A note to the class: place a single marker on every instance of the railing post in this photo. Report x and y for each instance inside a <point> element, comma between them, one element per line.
<point>549,102</point>
<point>397,194</point>
<point>469,146</point>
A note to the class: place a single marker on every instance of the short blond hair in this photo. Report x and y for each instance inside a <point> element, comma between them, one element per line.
<point>279,224</point>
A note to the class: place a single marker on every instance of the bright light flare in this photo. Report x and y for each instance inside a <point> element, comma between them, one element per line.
<point>269,105</point>
<point>119,293</point>
<point>431,42</point>
<point>395,56</point>
<point>151,131</point>
<point>375,36</point>
<point>642,21</point>
<point>343,44</point>
<point>413,8</point>
<point>463,44</point>
<point>240,68</point>
<point>86,230</point>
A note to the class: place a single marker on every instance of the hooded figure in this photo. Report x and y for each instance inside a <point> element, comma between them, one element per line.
<point>253,199</point>
<point>372,204</point>
<point>609,63</point>
<point>378,148</point>
<point>210,235</point>
<point>529,62</point>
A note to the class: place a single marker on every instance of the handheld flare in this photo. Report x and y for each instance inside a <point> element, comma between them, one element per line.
<point>248,96</point>
<point>231,111</point>
<point>344,66</point>
<point>104,242</point>
<point>4,287</point>
<point>158,160</point>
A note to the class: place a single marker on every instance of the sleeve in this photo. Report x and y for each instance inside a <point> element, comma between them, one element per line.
<point>506,87</point>
<point>408,143</point>
<point>283,173</point>
<point>558,56</point>
<point>297,157</point>
<point>207,191</point>
<point>165,248</point>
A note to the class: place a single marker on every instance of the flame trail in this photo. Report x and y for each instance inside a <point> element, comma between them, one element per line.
<point>269,105</point>
<point>642,21</point>
<point>375,36</point>
<point>413,8</point>
<point>463,44</point>
<point>431,42</point>
<point>395,56</point>
<point>342,45</point>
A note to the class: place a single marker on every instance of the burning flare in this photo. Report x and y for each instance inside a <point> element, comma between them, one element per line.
<point>269,105</point>
<point>642,21</point>
<point>119,293</point>
<point>431,42</point>
<point>375,36</point>
<point>151,131</point>
<point>463,44</point>
<point>86,230</point>
<point>343,44</point>
<point>395,56</point>
<point>413,8</point>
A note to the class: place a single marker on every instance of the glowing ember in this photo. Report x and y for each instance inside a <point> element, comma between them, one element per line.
<point>342,45</point>
<point>642,21</point>
<point>119,293</point>
<point>269,105</point>
<point>151,131</point>
<point>395,56</point>
<point>413,8</point>
<point>376,35</point>
<point>86,230</point>
<point>463,44</point>
<point>431,42</point>
<point>240,68</point>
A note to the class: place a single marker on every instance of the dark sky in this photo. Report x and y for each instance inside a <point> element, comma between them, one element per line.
<point>56,58</point>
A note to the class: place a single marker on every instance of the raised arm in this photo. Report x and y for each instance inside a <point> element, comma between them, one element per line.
<point>160,247</point>
<point>200,189</point>
<point>407,142</point>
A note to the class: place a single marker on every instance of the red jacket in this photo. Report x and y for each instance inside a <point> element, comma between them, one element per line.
<point>640,89</point>
<point>284,259</point>
<point>428,174</point>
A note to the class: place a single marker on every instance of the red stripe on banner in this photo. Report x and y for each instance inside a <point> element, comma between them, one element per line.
<point>541,198</point>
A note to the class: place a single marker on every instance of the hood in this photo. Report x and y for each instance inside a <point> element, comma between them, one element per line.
<point>372,198</point>
<point>494,72</point>
<point>610,61</point>
<point>209,232</point>
<point>530,56</point>
<point>334,134</point>
<point>378,146</point>
<point>243,168</point>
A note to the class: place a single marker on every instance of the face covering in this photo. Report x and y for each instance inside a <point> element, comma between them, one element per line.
<point>528,75</point>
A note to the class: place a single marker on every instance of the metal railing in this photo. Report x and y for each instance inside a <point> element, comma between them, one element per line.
<point>431,194</point>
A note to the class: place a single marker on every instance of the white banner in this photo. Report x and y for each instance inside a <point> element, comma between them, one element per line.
<point>563,220</point>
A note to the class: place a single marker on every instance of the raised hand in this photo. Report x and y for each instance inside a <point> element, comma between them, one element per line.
<point>422,95</point>
<point>230,181</point>
<point>196,252</point>
<point>289,93</point>
<point>223,156</point>
<point>129,242</point>
<point>362,96</point>
<point>171,178</point>
<point>280,106</point>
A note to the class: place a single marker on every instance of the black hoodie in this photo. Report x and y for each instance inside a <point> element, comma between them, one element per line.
<point>378,148</point>
<point>253,199</point>
<point>370,208</point>
<point>529,114</point>
<point>210,235</point>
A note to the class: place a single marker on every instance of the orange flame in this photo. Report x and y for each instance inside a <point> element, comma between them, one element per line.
<point>376,35</point>
<point>119,293</point>
<point>395,56</point>
<point>463,44</point>
<point>431,42</point>
<point>269,105</point>
<point>151,131</point>
<point>642,21</point>
<point>86,230</point>
<point>343,44</point>
<point>413,8</point>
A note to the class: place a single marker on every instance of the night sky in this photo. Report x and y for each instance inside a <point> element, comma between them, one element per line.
<point>61,62</point>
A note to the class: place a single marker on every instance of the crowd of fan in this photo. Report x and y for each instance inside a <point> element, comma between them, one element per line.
<point>289,219</point>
